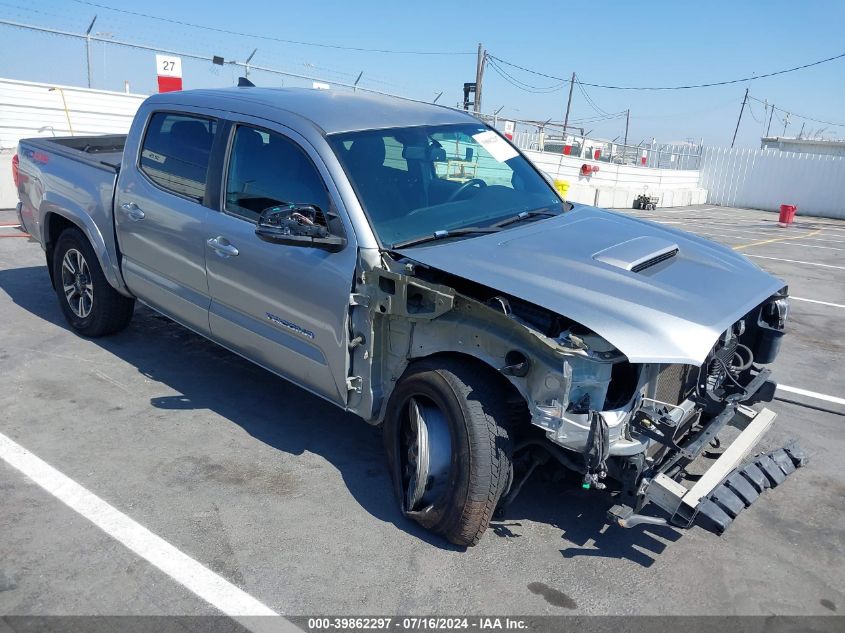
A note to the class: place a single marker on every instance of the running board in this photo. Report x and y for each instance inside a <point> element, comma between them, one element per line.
<point>725,489</point>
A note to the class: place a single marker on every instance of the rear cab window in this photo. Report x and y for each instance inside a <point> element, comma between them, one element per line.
<point>176,152</point>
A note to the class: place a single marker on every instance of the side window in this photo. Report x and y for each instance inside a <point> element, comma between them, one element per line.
<point>266,170</point>
<point>176,151</point>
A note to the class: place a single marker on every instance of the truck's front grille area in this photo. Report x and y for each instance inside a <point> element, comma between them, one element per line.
<point>674,384</point>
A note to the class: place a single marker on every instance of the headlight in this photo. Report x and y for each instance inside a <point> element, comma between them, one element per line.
<point>773,314</point>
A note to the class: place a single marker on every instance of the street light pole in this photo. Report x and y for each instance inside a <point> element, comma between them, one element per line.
<point>88,49</point>
<point>246,63</point>
<point>627,119</point>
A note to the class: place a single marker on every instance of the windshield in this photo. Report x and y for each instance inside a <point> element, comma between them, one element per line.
<point>418,181</point>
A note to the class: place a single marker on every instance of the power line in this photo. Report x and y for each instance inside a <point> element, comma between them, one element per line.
<point>602,114</point>
<point>686,87</point>
<point>594,119</point>
<point>526,87</point>
<point>268,37</point>
<point>806,118</point>
<point>751,112</point>
<point>593,104</point>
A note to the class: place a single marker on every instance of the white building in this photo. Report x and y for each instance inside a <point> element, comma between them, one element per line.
<point>803,145</point>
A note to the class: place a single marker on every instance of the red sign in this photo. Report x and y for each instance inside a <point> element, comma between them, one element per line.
<point>169,71</point>
<point>509,129</point>
<point>169,84</point>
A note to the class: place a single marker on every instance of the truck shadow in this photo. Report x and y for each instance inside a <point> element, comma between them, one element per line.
<point>581,516</point>
<point>293,421</point>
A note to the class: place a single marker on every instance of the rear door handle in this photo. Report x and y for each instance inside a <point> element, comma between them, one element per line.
<point>132,211</point>
<point>222,246</point>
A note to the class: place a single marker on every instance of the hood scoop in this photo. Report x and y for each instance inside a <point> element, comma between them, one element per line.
<point>638,254</point>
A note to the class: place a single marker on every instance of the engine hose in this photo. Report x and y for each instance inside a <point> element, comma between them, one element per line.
<point>746,364</point>
<point>730,376</point>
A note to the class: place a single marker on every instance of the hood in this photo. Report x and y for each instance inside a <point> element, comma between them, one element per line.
<point>657,294</point>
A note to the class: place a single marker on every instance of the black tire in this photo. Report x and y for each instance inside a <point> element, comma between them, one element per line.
<point>104,310</point>
<point>474,404</point>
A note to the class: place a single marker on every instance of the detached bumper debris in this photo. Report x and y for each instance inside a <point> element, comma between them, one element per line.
<point>729,486</point>
<point>743,486</point>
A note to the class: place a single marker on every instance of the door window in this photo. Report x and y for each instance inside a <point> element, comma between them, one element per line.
<point>176,151</point>
<point>267,170</point>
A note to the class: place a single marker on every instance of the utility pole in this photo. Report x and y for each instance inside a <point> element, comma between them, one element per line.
<point>741,110</point>
<point>765,110</point>
<point>627,120</point>
<point>88,49</point>
<point>770,119</point>
<point>479,75</point>
<point>568,104</point>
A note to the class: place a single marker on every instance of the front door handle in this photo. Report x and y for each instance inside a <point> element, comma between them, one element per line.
<point>132,211</point>
<point>222,246</point>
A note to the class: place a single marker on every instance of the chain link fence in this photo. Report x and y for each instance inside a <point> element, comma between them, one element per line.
<point>94,51</point>
<point>548,138</point>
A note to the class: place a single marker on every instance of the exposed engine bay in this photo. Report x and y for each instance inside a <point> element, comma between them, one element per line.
<point>602,416</point>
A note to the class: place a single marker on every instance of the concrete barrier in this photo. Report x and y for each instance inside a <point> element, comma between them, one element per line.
<point>617,186</point>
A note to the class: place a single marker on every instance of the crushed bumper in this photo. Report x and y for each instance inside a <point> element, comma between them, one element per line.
<point>730,485</point>
<point>742,487</point>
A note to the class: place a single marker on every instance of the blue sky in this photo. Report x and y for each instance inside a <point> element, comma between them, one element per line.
<point>627,43</point>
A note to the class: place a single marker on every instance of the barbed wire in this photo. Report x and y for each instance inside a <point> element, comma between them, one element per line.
<point>269,37</point>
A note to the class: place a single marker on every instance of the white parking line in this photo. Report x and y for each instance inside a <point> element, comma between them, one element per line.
<point>745,228</point>
<point>795,261</point>
<point>696,227</point>
<point>214,589</point>
<point>811,394</point>
<point>824,303</point>
<point>796,241</point>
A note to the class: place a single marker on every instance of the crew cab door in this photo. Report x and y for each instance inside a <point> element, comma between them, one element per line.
<point>283,306</point>
<point>160,216</point>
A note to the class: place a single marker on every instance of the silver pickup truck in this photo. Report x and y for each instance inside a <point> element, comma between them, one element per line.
<point>407,263</point>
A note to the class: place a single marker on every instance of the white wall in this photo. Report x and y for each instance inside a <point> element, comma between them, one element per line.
<point>30,109</point>
<point>618,185</point>
<point>768,178</point>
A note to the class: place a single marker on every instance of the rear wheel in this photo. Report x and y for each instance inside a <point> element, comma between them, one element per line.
<point>449,452</point>
<point>89,303</point>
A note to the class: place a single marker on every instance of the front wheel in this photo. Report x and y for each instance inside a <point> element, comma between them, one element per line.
<point>89,303</point>
<point>448,450</point>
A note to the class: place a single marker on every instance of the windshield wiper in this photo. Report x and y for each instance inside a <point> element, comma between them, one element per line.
<point>519,217</point>
<point>442,235</point>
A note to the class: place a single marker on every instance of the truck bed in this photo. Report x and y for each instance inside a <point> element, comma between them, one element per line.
<point>101,151</point>
<point>72,177</point>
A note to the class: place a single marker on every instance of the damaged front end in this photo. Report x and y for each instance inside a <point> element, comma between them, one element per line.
<point>604,417</point>
<point>643,425</point>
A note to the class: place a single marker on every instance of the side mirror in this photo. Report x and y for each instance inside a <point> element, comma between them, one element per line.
<point>298,225</point>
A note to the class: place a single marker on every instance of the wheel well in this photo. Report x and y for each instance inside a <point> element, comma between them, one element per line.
<point>518,412</point>
<point>56,224</point>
